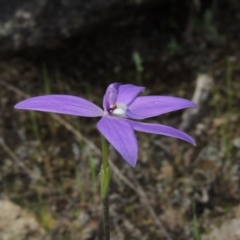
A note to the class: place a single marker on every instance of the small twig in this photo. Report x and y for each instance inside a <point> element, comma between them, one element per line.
<point>14,157</point>
<point>14,89</point>
<point>201,93</point>
<point>138,190</point>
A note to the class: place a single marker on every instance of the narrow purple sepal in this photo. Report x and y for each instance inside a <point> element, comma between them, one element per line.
<point>128,92</point>
<point>150,106</point>
<point>64,104</point>
<point>162,130</point>
<point>121,136</point>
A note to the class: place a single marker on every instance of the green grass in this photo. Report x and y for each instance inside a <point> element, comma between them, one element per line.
<point>94,179</point>
<point>225,130</point>
<point>44,216</point>
<point>92,166</point>
<point>196,232</point>
<point>228,144</point>
<point>173,46</point>
<point>80,185</point>
<point>138,61</point>
<point>229,86</point>
<point>35,128</point>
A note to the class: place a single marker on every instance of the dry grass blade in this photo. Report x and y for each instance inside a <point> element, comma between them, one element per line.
<point>15,158</point>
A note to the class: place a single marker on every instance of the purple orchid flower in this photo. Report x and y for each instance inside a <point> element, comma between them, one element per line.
<point>121,106</point>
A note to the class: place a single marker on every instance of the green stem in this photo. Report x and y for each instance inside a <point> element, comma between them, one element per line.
<point>105,179</point>
<point>106,218</point>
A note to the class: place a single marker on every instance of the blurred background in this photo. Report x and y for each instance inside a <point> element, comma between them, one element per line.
<point>50,164</point>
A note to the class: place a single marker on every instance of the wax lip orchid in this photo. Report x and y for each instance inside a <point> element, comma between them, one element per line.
<point>121,108</point>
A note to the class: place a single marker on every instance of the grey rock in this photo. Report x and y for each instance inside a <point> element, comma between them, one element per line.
<point>17,223</point>
<point>32,23</point>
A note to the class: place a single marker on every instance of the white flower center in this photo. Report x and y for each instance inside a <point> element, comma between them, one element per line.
<point>120,110</point>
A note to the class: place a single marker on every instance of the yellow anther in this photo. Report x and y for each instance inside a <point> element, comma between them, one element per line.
<point>112,107</point>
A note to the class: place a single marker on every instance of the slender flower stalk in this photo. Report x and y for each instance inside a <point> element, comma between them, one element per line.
<point>121,115</point>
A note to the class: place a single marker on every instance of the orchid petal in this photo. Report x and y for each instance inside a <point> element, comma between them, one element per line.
<point>120,135</point>
<point>131,115</point>
<point>64,104</point>
<point>110,97</point>
<point>150,106</point>
<point>161,129</point>
<point>128,92</point>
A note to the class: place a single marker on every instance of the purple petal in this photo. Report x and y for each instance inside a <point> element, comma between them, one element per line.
<point>128,92</point>
<point>61,104</point>
<point>150,106</point>
<point>131,115</point>
<point>110,97</point>
<point>120,134</point>
<point>161,129</point>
